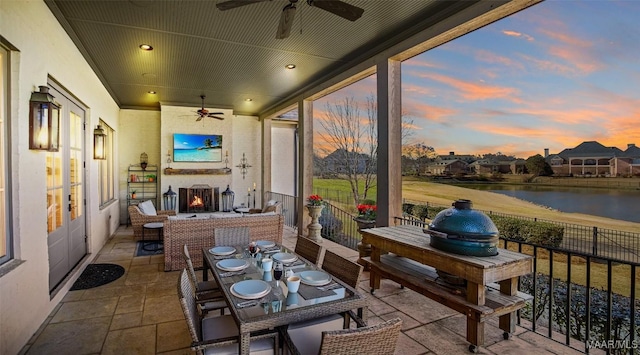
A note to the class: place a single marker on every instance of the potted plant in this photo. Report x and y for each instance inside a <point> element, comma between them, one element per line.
<point>151,177</point>
<point>133,194</point>
<point>366,216</point>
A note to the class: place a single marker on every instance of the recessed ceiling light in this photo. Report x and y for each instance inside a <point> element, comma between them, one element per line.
<point>248,99</point>
<point>151,92</point>
<point>290,66</point>
<point>146,47</point>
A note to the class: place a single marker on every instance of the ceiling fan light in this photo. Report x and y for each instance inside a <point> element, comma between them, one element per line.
<point>151,92</point>
<point>248,99</point>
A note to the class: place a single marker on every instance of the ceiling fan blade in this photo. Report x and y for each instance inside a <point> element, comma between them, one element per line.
<point>286,21</point>
<point>199,118</point>
<point>232,4</point>
<point>340,8</point>
<point>217,117</point>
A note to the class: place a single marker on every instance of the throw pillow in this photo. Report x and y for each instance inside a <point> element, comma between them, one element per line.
<point>147,208</point>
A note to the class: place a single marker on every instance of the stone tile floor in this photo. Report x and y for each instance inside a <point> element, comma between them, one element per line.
<point>140,314</point>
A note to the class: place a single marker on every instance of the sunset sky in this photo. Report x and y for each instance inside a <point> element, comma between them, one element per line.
<point>551,76</point>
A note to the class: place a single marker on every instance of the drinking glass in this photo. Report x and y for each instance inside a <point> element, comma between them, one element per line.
<point>277,273</point>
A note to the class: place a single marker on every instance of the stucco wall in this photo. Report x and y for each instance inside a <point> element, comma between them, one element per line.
<point>240,134</point>
<point>44,49</point>
<point>283,158</point>
<point>138,132</point>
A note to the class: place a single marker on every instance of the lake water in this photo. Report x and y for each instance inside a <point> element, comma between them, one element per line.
<point>617,204</point>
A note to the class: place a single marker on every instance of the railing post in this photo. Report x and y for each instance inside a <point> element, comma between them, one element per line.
<point>595,241</point>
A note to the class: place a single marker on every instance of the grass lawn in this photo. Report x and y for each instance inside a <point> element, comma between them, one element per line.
<point>415,190</point>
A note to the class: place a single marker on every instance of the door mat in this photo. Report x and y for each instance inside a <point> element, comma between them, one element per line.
<point>97,275</point>
<point>150,248</point>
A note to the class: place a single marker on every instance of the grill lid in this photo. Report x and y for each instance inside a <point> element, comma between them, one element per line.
<point>462,222</point>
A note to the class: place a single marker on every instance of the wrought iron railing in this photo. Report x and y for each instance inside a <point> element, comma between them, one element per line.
<point>288,207</point>
<point>590,240</point>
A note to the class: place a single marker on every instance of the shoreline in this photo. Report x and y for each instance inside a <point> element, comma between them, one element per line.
<point>445,194</point>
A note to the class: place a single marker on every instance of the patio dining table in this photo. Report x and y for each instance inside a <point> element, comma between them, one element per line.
<point>279,307</point>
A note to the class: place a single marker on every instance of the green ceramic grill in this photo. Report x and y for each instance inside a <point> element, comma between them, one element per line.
<point>463,230</point>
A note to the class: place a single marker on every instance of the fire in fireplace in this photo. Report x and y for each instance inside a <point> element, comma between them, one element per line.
<point>198,198</point>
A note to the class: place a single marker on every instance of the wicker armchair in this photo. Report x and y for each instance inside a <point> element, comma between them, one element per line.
<point>271,206</point>
<point>308,249</point>
<point>138,219</point>
<point>218,334</point>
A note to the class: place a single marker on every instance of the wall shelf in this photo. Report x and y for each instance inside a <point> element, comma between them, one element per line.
<point>223,171</point>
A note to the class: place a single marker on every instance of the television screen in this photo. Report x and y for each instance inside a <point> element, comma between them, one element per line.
<point>197,147</point>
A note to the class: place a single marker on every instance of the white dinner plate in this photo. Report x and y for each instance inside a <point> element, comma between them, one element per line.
<point>314,278</point>
<point>265,243</point>
<point>284,257</point>
<point>250,289</point>
<point>221,251</point>
<point>232,264</point>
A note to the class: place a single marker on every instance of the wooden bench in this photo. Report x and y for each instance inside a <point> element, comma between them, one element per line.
<point>403,254</point>
<point>424,280</point>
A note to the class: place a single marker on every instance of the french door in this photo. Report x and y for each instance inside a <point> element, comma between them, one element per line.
<point>66,221</point>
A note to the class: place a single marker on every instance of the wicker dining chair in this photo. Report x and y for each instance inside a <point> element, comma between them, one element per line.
<point>308,249</point>
<point>218,335</point>
<point>346,270</point>
<point>380,339</point>
<point>207,293</point>
<point>231,236</point>
<point>302,333</point>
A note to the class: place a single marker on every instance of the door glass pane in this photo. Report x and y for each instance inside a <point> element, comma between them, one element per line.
<point>75,171</point>
<point>55,210</point>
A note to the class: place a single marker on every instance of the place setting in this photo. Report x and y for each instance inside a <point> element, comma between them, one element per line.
<point>222,252</point>
<point>267,246</point>
<point>288,260</point>
<point>250,292</point>
<point>316,284</point>
<point>232,266</point>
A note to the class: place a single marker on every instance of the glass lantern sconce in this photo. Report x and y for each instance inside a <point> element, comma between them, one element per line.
<point>44,121</point>
<point>99,141</point>
<point>169,198</point>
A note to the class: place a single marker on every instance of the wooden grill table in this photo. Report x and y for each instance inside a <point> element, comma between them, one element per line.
<point>413,263</point>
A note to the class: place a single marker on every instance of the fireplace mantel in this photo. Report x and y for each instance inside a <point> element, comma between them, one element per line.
<point>171,171</point>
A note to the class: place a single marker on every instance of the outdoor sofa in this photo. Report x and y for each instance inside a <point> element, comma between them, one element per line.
<point>197,233</point>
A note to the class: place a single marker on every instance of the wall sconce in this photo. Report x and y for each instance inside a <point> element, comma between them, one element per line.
<point>44,121</point>
<point>99,142</point>
<point>244,165</point>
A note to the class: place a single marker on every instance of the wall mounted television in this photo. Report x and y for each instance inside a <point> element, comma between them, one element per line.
<point>197,147</point>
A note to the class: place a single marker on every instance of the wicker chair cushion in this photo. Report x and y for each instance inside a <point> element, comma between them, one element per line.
<point>148,208</point>
<point>225,326</point>
<point>306,335</point>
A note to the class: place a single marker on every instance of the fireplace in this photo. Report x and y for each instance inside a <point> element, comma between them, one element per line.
<point>198,198</point>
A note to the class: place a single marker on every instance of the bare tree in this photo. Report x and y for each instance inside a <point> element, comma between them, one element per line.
<point>352,143</point>
<point>344,132</point>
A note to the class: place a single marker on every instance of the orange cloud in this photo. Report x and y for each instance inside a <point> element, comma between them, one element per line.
<point>574,50</point>
<point>428,112</point>
<point>473,91</point>
<point>518,34</point>
<point>489,57</point>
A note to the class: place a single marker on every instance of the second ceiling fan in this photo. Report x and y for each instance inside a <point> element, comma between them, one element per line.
<point>336,7</point>
<point>203,112</point>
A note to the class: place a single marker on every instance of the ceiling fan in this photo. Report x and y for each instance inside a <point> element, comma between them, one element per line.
<point>336,7</point>
<point>203,112</point>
